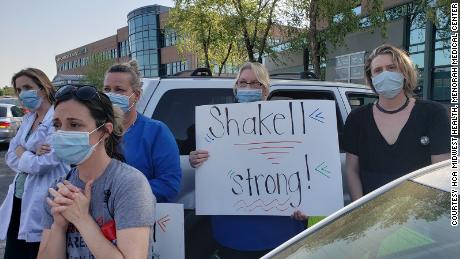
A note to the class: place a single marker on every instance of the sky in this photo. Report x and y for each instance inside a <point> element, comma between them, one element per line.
<point>33,32</point>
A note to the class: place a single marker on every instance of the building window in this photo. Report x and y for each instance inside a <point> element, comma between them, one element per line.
<point>442,69</point>
<point>144,41</point>
<point>170,38</point>
<point>350,66</point>
<point>391,14</point>
<point>176,67</point>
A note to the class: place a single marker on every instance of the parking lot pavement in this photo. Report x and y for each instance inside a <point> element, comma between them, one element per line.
<point>6,177</point>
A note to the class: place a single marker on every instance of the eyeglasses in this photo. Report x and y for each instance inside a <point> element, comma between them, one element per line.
<point>83,93</point>
<point>254,84</point>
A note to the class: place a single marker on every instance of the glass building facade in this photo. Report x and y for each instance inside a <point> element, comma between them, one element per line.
<point>428,46</point>
<point>145,38</point>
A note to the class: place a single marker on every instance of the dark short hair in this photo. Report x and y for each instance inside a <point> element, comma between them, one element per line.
<point>102,111</point>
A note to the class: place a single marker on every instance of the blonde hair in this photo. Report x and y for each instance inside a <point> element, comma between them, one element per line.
<point>118,116</point>
<point>131,68</point>
<point>401,60</point>
<point>259,70</point>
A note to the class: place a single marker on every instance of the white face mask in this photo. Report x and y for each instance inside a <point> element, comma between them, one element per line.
<point>388,84</point>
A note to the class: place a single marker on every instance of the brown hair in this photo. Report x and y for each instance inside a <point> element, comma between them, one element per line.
<point>131,68</point>
<point>102,111</point>
<point>401,60</point>
<point>39,78</point>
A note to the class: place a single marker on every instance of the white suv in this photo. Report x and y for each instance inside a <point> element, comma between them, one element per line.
<point>173,101</point>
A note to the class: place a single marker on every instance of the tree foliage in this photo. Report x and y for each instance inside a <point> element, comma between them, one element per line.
<point>219,31</point>
<point>312,23</point>
<point>205,31</point>
<point>256,19</point>
<point>95,71</point>
<point>7,91</point>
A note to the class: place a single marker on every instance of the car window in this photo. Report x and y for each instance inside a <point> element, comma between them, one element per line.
<point>176,109</point>
<point>3,111</point>
<point>359,99</point>
<point>16,111</point>
<point>410,221</point>
<point>310,95</point>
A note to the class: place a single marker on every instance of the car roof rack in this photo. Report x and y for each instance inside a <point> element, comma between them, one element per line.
<point>198,72</point>
<point>295,75</point>
<point>201,71</point>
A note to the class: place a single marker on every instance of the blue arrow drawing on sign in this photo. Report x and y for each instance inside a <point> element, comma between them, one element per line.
<point>317,115</point>
<point>322,169</point>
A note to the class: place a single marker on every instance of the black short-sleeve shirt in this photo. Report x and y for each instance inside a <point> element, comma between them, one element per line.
<point>426,133</point>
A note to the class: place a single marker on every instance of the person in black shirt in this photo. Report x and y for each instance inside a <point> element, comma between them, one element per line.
<point>398,133</point>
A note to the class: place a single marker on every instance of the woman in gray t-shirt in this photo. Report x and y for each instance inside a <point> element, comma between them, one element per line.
<point>104,208</point>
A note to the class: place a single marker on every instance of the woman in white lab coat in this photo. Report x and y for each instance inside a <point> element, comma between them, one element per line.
<point>35,165</point>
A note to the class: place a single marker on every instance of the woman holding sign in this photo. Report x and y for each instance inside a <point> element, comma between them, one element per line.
<point>398,133</point>
<point>105,208</point>
<point>250,236</point>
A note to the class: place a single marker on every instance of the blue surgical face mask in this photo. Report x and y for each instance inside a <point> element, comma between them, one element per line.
<point>388,84</point>
<point>30,99</point>
<point>121,101</point>
<point>72,147</point>
<point>249,95</point>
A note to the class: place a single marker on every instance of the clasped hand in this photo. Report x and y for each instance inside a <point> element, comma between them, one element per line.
<point>70,204</point>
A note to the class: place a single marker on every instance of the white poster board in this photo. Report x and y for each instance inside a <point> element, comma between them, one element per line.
<point>268,158</point>
<point>168,233</point>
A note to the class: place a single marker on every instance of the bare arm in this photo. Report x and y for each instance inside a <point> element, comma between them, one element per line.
<point>53,243</point>
<point>134,242</point>
<point>438,158</point>
<point>99,246</point>
<point>352,176</point>
<point>131,242</point>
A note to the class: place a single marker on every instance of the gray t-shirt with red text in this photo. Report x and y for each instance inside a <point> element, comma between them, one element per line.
<point>130,202</point>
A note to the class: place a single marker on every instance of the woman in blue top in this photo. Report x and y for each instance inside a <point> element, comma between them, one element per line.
<point>148,145</point>
<point>36,166</point>
<point>250,236</point>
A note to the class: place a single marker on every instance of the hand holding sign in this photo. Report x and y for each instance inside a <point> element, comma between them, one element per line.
<point>198,157</point>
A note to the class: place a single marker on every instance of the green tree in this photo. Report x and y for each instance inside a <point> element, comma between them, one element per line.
<point>337,19</point>
<point>206,31</point>
<point>219,31</point>
<point>436,12</point>
<point>256,19</point>
<point>95,71</point>
<point>8,91</point>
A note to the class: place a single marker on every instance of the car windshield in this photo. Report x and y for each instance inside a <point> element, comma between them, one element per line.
<point>410,221</point>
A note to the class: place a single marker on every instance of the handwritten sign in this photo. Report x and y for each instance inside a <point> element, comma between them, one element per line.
<point>168,233</point>
<point>268,158</point>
